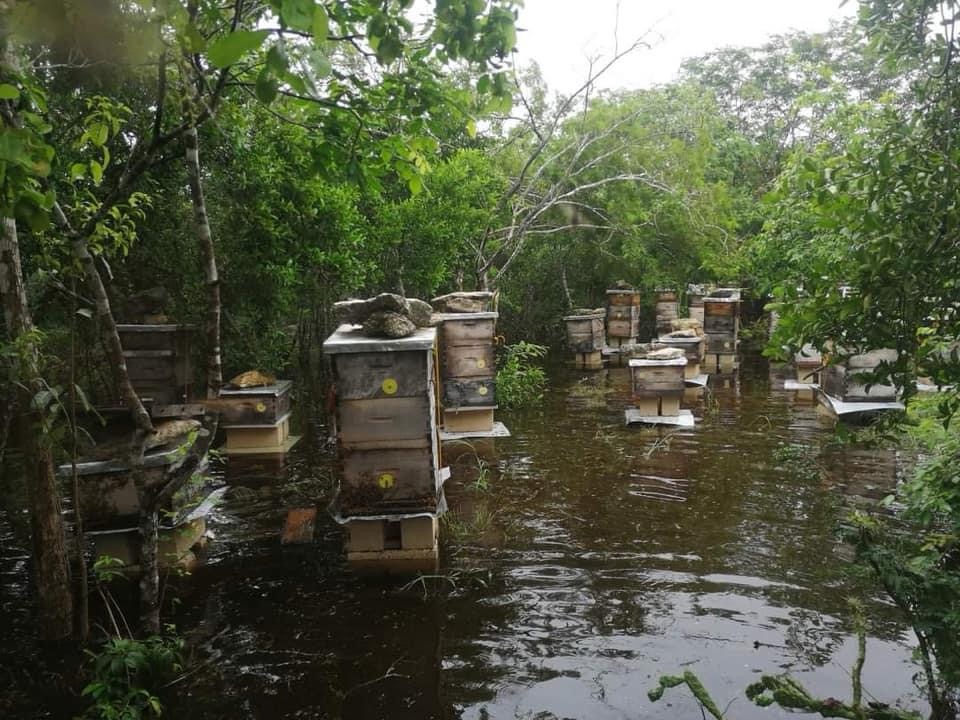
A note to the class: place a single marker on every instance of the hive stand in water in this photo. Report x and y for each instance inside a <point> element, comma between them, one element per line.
<point>388,447</point>
<point>468,381</point>
<point>257,419</point>
<point>657,390</point>
<point>586,339</point>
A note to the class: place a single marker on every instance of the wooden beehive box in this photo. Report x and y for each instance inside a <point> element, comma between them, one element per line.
<point>654,378</point>
<point>667,309</point>
<point>158,360</point>
<point>585,333</point>
<point>255,406</point>
<point>808,363</point>
<point>107,491</point>
<point>845,381</point>
<point>721,343</point>
<point>721,316</point>
<point>694,350</point>
<point>386,421</point>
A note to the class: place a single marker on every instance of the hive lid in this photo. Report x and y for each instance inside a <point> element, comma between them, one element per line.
<point>591,316</point>
<point>442,317</point>
<point>639,362</point>
<point>277,388</point>
<point>350,339</point>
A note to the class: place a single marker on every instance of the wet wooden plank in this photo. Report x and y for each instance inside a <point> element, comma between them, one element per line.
<point>299,526</point>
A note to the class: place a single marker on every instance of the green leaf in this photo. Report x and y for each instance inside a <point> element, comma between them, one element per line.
<point>297,14</point>
<point>96,172</point>
<point>8,92</point>
<point>321,24</point>
<point>194,41</point>
<point>78,170</point>
<point>266,87</point>
<point>227,50</point>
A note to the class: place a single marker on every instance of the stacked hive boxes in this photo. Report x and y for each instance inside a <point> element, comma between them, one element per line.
<point>257,419</point>
<point>667,310</point>
<point>721,324</point>
<point>658,386</point>
<point>695,302</point>
<point>586,339</point>
<point>468,371</point>
<point>849,381</point>
<point>388,445</point>
<point>623,317</point>
<point>158,360</point>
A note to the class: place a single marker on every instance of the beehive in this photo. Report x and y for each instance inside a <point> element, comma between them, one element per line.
<point>847,380</point>
<point>467,370</point>
<point>386,422</point>
<point>658,385</point>
<point>666,309</point>
<point>808,363</point>
<point>158,360</point>
<point>694,350</point>
<point>695,295</point>
<point>623,316</point>
<point>257,419</point>
<point>586,339</point>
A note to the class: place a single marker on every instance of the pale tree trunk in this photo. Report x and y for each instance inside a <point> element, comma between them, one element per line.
<point>50,568</point>
<point>201,223</point>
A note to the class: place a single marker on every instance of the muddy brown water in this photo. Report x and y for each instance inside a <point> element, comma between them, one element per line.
<point>584,560</point>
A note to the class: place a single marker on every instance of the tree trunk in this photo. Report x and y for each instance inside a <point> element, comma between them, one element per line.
<point>51,576</point>
<point>201,223</point>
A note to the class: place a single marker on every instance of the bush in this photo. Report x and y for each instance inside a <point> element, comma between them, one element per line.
<point>520,382</point>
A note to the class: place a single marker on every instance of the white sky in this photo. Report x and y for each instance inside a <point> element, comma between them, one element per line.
<point>562,34</point>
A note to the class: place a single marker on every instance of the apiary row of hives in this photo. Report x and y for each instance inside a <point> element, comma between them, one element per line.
<point>719,315</point>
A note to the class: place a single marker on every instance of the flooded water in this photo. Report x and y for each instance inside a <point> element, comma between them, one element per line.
<point>581,560</point>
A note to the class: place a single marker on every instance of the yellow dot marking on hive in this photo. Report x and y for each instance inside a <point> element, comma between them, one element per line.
<point>481,364</point>
<point>482,390</point>
<point>389,386</point>
<point>386,480</point>
<point>261,407</point>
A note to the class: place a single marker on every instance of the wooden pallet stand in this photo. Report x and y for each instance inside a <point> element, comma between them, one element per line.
<point>403,546</point>
<point>468,419</point>
<point>588,361</point>
<point>721,363</point>
<point>176,547</point>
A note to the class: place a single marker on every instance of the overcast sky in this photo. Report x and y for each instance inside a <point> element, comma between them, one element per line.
<point>562,34</point>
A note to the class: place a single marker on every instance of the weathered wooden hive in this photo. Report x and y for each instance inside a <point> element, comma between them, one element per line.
<point>623,317</point>
<point>467,370</point>
<point>667,309</point>
<point>257,419</point>
<point>586,339</point>
<point>808,363</point>
<point>848,380</point>
<point>158,360</point>
<point>721,325</point>
<point>695,295</point>
<point>658,385</point>
<point>694,350</point>
<point>110,507</point>
<point>388,447</point>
